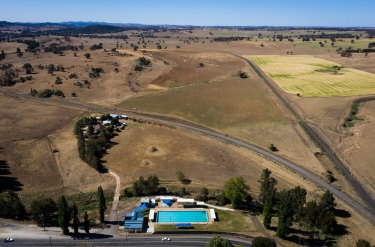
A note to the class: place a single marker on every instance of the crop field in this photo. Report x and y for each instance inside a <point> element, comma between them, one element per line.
<point>315,77</point>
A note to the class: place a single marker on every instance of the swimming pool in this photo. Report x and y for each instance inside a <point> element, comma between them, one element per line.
<point>182,216</point>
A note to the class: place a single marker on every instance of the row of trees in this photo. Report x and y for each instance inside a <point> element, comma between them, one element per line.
<point>45,211</point>
<point>292,207</point>
<point>91,151</point>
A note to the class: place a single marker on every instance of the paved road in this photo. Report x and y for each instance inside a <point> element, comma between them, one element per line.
<point>122,241</point>
<point>305,173</point>
<point>367,199</point>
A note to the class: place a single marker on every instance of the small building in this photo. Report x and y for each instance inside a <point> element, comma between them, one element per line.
<point>106,122</point>
<point>146,201</point>
<point>124,117</point>
<point>115,116</point>
<point>133,222</point>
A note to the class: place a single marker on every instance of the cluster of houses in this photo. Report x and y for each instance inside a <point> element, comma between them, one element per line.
<point>101,127</point>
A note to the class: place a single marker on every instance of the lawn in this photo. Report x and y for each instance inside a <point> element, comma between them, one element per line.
<point>228,222</point>
<point>315,77</point>
<point>219,104</point>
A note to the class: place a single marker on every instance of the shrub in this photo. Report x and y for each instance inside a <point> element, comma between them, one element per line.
<point>263,242</point>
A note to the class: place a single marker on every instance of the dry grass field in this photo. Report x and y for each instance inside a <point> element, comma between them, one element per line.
<point>29,132</point>
<point>315,77</point>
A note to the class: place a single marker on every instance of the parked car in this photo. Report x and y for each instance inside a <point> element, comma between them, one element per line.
<point>8,240</point>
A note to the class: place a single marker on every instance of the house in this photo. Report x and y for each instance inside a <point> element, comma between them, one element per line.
<point>106,122</point>
<point>133,222</point>
<point>124,117</point>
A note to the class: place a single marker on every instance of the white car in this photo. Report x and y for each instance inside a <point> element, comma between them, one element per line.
<point>8,240</point>
<point>165,239</point>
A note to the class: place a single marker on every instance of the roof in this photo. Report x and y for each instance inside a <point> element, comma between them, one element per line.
<point>167,201</point>
<point>151,215</point>
<point>141,208</point>
<point>133,226</point>
<point>212,213</point>
<point>114,115</point>
<point>145,200</point>
<point>98,127</point>
<point>133,220</point>
<point>106,122</point>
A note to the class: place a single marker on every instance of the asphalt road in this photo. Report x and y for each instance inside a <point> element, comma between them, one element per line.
<point>303,172</point>
<point>121,241</point>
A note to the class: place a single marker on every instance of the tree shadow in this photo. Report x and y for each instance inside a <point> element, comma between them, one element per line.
<point>8,182</point>
<point>342,213</point>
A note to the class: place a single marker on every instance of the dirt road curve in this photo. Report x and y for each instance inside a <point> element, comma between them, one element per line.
<point>312,177</point>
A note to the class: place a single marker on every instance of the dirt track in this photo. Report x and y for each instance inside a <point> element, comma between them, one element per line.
<point>315,179</point>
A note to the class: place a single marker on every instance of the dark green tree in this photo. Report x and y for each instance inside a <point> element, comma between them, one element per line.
<point>86,223</point>
<point>180,176</point>
<point>64,215</point>
<point>267,208</point>
<point>285,214</point>
<point>75,218</point>
<point>327,219</point>
<point>11,206</point>
<point>263,242</point>
<point>219,242</point>
<point>44,211</point>
<point>311,214</point>
<point>90,130</point>
<point>298,200</point>
<point>87,55</point>
<point>266,182</point>
<point>102,203</point>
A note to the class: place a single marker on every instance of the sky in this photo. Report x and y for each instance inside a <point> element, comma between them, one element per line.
<point>332,13</point>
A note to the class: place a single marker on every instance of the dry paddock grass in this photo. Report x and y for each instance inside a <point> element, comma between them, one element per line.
<point>29,131</point>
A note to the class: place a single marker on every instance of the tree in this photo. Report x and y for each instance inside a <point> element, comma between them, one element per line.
<point>180,176</point>
<point>64,215</point>
<point>243,75</point>
<point>90,130</point>
<point>75,218</point>
<point>285,215</point>
<point>263,242</point>
<point>51,68</point>
<point>266,182</point>
<point>28,68</point>
<point>362,243</point>
<point>267,208</point>
<point>273,148</point>
<point>86,223</point>
<point>298,201</point>
<point>311,214</point>
<point>102,203</point>
<point>46,207</point>
<point>87,55</point>
<point>203,194</point>
<point>235,190</point>
<point>11,206</point>
<point>219,242</point>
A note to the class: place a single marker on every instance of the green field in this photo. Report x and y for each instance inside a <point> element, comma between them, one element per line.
<point>315,77</point>
<point>219,104</point>
<point>228,222</point>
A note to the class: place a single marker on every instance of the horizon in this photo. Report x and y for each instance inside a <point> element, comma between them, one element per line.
<point>273,13</point>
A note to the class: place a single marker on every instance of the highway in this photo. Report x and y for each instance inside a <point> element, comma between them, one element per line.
<point>122,241</point>
<point>303,172</point>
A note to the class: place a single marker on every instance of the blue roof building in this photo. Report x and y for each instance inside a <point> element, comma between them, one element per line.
<point>134,222</point>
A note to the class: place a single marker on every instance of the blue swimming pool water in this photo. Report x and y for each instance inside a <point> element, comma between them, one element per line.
<point>182,216</point>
